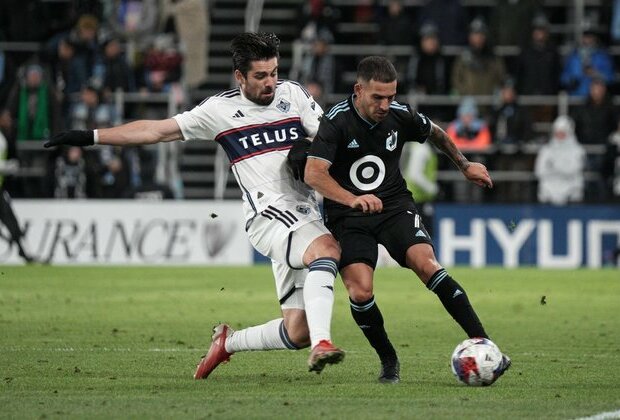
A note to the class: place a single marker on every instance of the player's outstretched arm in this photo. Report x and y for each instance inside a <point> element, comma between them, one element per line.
<point>133,133</point>
<point>473,171</point>
<point>317,176</point>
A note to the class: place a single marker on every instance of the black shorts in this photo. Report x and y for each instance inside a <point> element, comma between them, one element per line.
<point>396,231</point>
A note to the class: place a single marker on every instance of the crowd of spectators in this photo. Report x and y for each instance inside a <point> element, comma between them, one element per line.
<point>541,62</point>
<point>88,53</point>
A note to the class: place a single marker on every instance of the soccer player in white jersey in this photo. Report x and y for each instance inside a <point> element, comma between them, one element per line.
<point>257,124</point>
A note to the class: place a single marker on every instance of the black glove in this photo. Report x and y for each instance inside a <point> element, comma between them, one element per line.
<point>72,138</point>
<point>297,156</point>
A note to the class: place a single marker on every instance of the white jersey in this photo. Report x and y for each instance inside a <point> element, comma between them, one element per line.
<point>256,139</point>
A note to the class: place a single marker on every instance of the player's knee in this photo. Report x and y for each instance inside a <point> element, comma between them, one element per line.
<point>426,271</point>
<point>324,247</point>
<point>358,291</point>
<point>360,295</point>
<point>424,265</point>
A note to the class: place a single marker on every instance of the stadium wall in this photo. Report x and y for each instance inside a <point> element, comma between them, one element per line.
<point>213,233</point>
<point>527,235</point>
<point>131,232</point>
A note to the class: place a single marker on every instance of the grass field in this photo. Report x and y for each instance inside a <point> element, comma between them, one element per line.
<point>124,342</point>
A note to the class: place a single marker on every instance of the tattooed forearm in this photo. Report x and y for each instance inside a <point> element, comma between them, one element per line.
<point>443,143</point>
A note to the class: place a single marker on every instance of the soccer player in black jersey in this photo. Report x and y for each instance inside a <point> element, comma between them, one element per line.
<point>354,163</point>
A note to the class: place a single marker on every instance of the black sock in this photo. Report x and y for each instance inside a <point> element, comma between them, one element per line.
<point>368,317</point>
<point>454,299</point>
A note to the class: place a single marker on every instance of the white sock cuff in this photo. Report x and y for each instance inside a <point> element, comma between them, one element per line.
<point>324,264</point>
<point>267,336</point>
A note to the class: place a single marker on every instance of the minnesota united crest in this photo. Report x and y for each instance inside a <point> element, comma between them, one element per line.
<point>283,105</point>
<point>391,141</point>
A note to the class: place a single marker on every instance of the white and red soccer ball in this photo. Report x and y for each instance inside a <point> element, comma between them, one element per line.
<point>476,362</point>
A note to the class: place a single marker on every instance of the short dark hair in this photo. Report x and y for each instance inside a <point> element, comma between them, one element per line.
<point>250,46</point>
<point>376,68</point>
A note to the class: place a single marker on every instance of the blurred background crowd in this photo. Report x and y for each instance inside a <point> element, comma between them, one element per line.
<point>528,87</point>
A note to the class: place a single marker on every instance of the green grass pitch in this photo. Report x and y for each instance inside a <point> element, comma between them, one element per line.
<point>91,342</point>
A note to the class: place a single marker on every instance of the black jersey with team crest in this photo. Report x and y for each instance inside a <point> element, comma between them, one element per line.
<point>365,156</point>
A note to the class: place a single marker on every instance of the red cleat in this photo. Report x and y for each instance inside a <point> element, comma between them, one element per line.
<point>217,352</point>
<point>322,354</point>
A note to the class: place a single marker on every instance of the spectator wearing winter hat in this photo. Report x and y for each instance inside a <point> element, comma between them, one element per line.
<point>560,165</point>
<point>84,41</point>
<point>594,122</point>
<point>469,132</point>
<point>586,62</point>
<point>538,68</point>
<point>471,135</point>
<point>116,71</point>
<point>320,64</point>
<point>511,123</point>
<point>596,119</point>
<point>538,65</point>
<point>477,70</point>
<point>32,110</point>
<point>429,70</point>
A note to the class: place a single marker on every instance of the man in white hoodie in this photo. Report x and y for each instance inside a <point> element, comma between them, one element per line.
<point>560,166</point>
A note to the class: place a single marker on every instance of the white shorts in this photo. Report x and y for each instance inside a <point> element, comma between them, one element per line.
<point>285,244</point>
<point>289,285</point>
<point>284,233</point>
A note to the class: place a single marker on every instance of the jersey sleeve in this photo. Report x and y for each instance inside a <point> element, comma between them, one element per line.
<point>325,143</point>
<point>421,126</point>
<point>198,123</point>
<point>310,111</point>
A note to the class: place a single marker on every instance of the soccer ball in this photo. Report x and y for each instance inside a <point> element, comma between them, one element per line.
<point>476,362</point>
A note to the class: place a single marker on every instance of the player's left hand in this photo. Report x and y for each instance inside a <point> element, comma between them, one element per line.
<point>478,174</point>
<point>72,138</point>
<point>297,156</point>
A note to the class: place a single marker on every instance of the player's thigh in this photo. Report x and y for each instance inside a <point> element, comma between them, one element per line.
<point>401,231</point>
<point>310,242</point>
<point>357,242</point>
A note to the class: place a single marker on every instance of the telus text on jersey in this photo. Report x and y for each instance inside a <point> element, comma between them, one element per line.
<point>268,137</point>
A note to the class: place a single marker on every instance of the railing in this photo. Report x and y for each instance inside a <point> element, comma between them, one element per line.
<point>562,100</point>
<point>512,175</point>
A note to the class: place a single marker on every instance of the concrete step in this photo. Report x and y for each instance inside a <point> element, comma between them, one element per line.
<point>197,160</point>
<point>208,193</point>
<point>223,47</point>
<point>231,30</point>
<point>226,62</point>
<point>200,177</point>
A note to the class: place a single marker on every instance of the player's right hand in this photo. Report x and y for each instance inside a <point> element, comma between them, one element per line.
<point>478,174</point>
<point>296,158</point>
<point>368,203</point>
<point>72,138</point>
